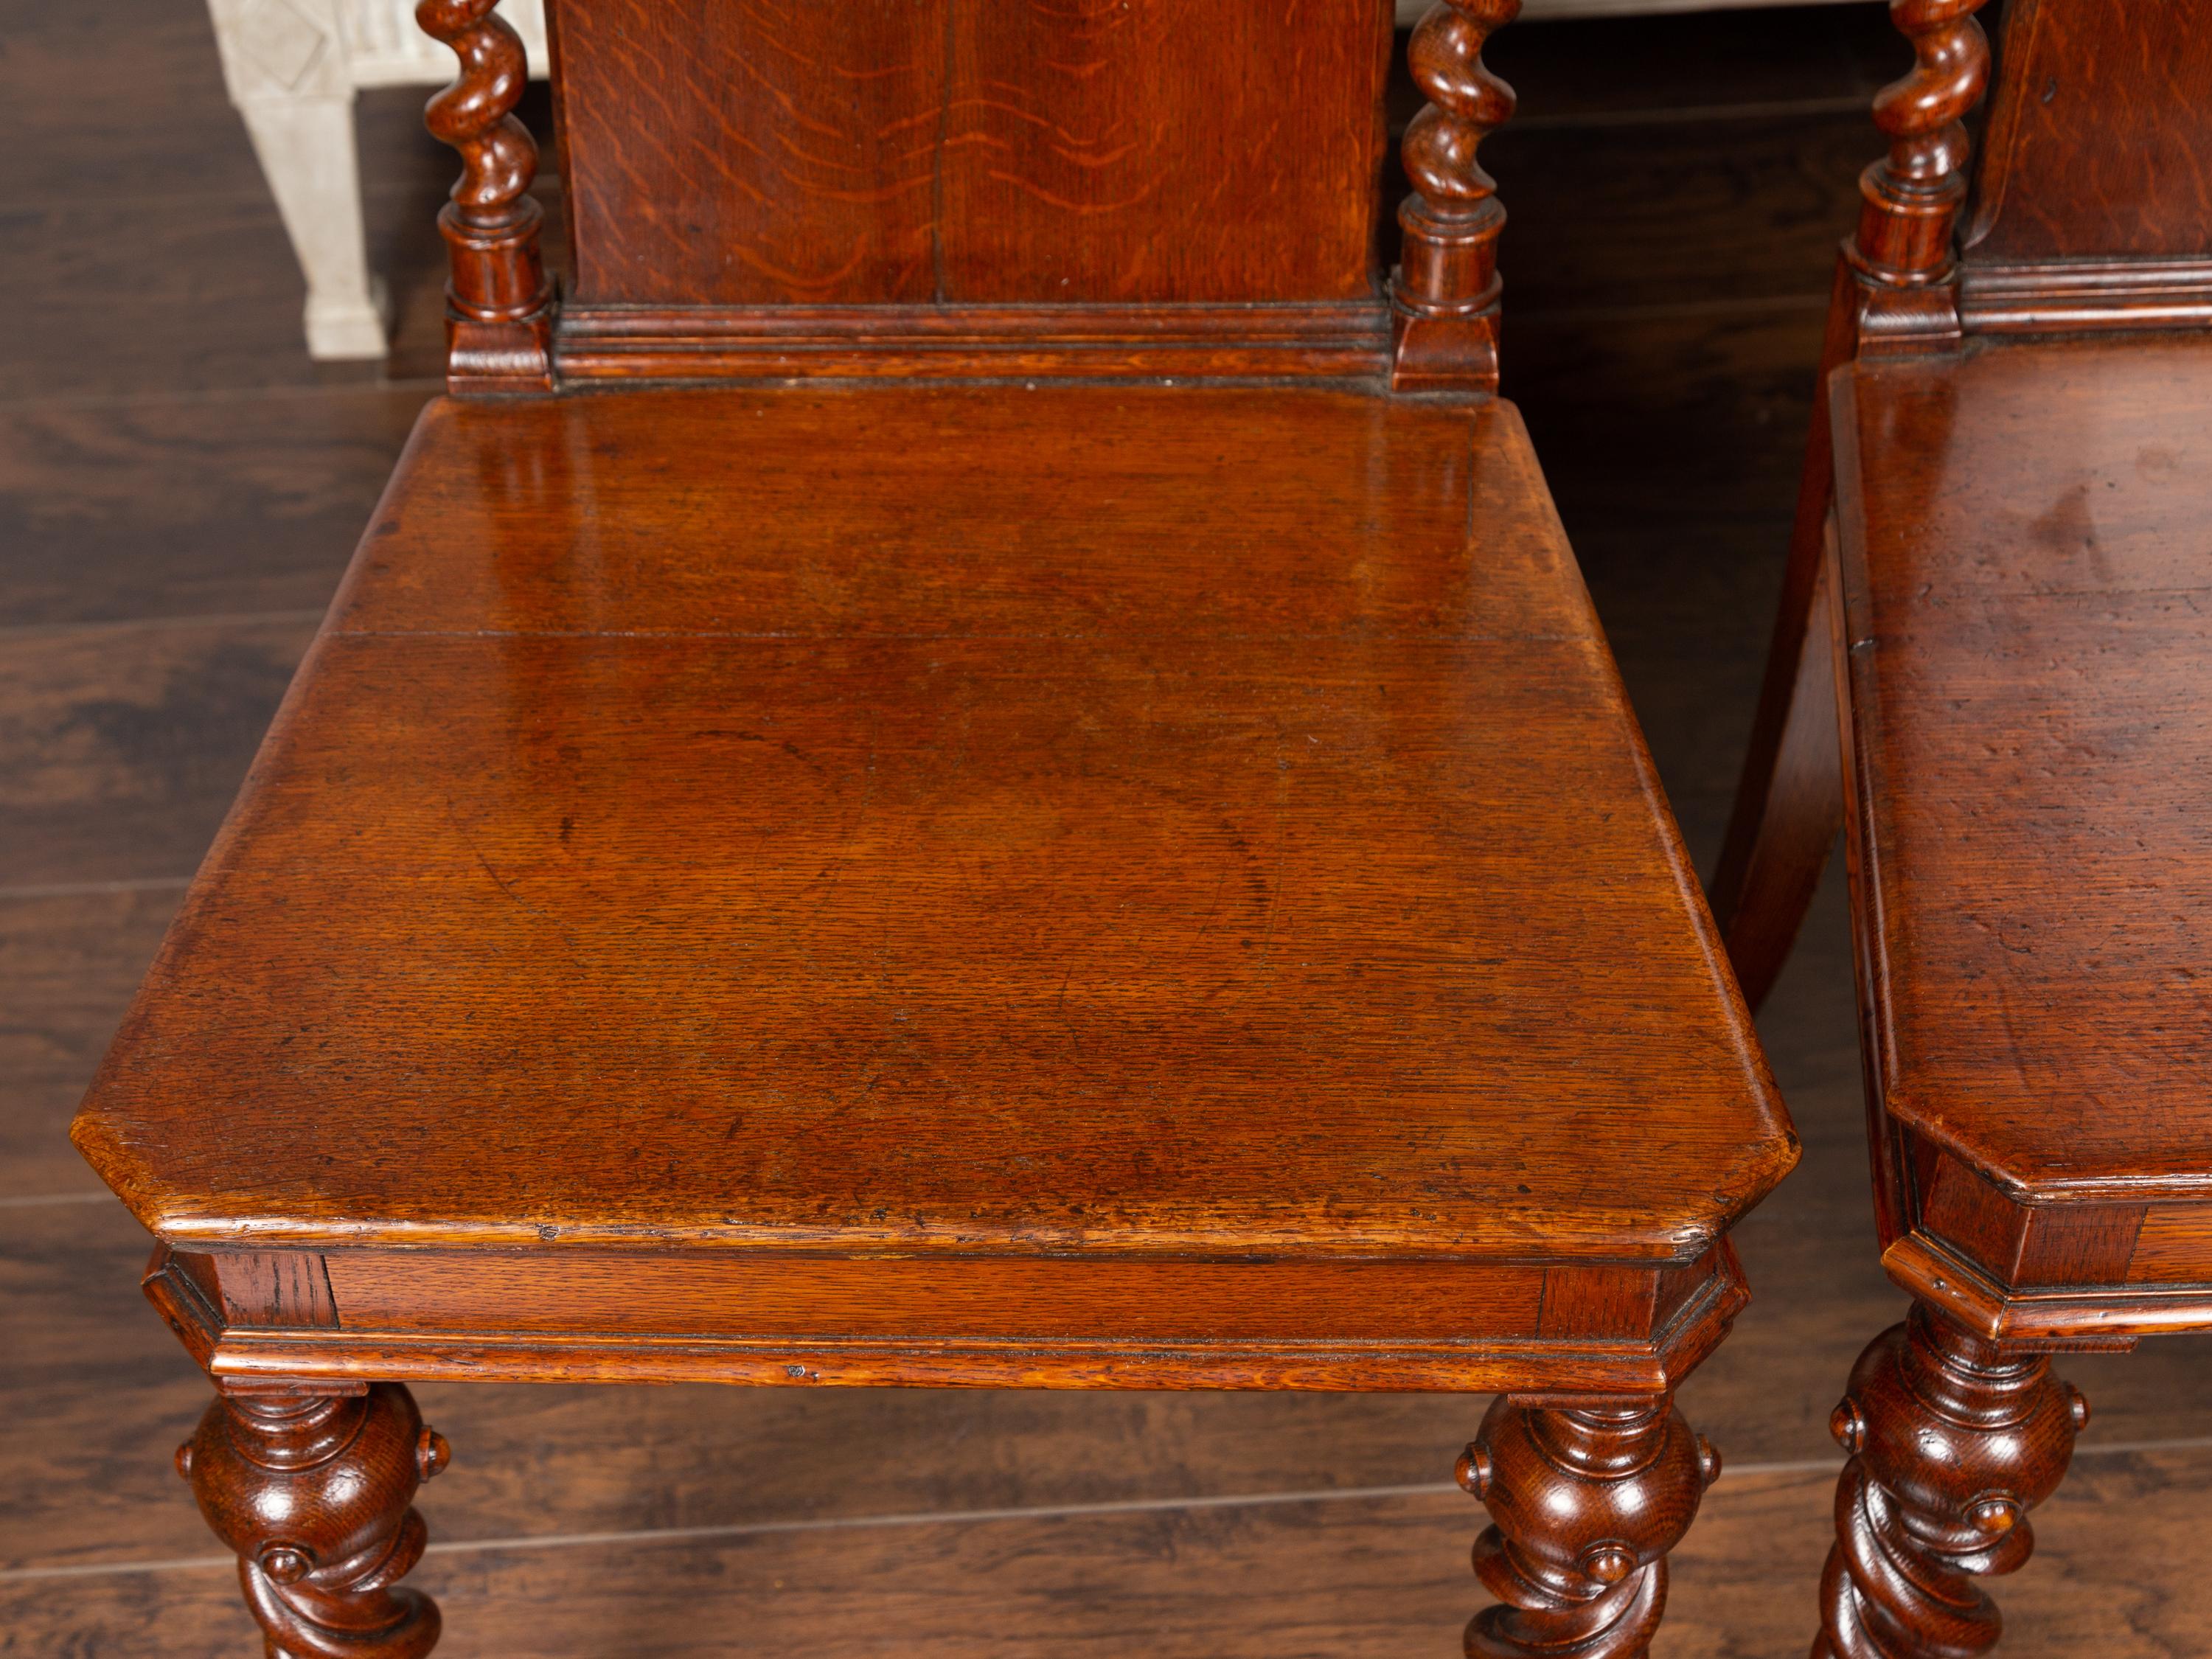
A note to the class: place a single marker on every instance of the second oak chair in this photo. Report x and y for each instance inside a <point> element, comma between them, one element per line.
<point>1997,585</point>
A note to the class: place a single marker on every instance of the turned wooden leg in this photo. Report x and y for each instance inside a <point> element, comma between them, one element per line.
<point>313,1493</point>
<point>1584,1504</point>
<point>1954,1439</point>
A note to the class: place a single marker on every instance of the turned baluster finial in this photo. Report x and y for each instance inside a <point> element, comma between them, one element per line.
<point>1444,293</point>
<point>1903,252</point>
<point>498,301</point>
<point>1952,1440</point>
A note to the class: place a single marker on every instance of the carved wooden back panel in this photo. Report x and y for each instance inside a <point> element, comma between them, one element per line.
<point>1005,187</point>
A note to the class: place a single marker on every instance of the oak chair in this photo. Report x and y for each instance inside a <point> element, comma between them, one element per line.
<point>1993,596</point>
<point>979,760</point>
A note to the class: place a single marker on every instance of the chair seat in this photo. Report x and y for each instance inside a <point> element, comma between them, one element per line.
<point>920,820</point>
<point>2027,535</point>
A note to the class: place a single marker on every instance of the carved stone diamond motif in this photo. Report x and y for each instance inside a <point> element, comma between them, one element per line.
<point>281,42</point>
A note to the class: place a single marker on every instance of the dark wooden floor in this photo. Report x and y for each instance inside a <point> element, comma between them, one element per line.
<point>178,488</point>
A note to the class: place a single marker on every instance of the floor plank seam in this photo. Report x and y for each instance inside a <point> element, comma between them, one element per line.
<point>220,394</point>
<point>52,890</point>
<point>973,1517</point>
<point>20,631</point>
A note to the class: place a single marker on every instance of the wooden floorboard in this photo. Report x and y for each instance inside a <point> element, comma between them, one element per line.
<point>69,961</point>
<point>190,506</point>
<point>121,744</point>
<point>180,488</point>
<point>1342,1576</point>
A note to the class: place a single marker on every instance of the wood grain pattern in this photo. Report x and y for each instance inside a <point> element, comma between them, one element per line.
<point>1952,1440</point>
<point>2174,1244</point>
<point>816,1297</point>
<point>92,1382</point>
<point>285,1316</point>
<point>867,682</point>
<point>171,509</point>
<point>312,1493</point>
<point>1584,1505</point>
<point>2094,209</point>
<point>121,744</point>
<point>2007,567</point>
<point>2100,136</point>
<point>1368,1578</point>
<point>2020,523</point>
<point>959,152</point>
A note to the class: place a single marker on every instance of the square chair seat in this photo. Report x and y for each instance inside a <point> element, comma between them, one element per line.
<point>921,822</point>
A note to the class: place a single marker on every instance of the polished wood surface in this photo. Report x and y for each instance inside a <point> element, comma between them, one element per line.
<point>1952,1439</point>
<point>1444,294</point>
<point>312,1491</point>
<point>2013,525</point>
<point>959,152</point>
<point>1586,1502</point>
<point>153,529</point>
<point>1904,256</point>
<point>2089,83</point>
<point>498,299</point>
<point>963,188</point>
<point>2021,539</point>
<point>213,481</point>
<point>1217,707</point>
<point>625,791</point>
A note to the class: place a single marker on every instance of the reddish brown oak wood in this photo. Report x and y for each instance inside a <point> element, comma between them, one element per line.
<point>311,1490</point>
<point>2091,211</point>
<point>1952,1440</point>
<point>960,152</point>
<point>898,879</point>
<point>1179,816</point>
<point>2017,521</point>
<point>1585,1503</point>
<point>633,797</point>
<point>498,302</point>
<point>959,187</point>
<point>1444,294</point>
<point>2018,534</point>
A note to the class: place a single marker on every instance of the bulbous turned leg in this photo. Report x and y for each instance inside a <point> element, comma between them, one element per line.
<point>313,1493</point>
<point>1585,1502</point>
<point>1954,1439</point>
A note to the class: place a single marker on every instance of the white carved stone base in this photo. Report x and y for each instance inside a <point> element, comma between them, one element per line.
<point>305,147</point>
<point>292,67</point>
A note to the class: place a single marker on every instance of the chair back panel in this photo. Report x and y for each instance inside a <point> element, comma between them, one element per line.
<point>747,153</point>
<point>2100,136</point>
